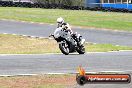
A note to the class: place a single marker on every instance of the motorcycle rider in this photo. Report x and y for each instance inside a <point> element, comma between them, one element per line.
<point>66,26</point>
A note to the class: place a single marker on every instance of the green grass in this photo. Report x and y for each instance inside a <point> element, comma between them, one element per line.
<point>95,19</point>
<point>14,44</point>
<point>105,47</point>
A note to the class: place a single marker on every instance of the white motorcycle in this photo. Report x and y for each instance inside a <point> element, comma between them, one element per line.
<point>67,43</point>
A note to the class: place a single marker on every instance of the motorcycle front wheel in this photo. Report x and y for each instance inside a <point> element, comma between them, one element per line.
<point>64,48</point>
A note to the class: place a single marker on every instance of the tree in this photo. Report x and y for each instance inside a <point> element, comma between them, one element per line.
<point>62,2</point>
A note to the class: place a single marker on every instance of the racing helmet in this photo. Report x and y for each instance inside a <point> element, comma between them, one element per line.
<point>60,20</point>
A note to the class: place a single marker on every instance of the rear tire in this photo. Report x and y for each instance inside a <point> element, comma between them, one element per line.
<point>64,48</point>
<point>81,50</point>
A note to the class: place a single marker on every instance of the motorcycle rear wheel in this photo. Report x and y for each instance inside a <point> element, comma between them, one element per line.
<point>81,50</point>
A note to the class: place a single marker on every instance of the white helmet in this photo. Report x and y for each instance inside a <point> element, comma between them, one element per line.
<point>60,20</point>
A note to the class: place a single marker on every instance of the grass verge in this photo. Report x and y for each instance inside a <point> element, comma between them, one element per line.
<point>105,47</point>
<point>97,19</point>
<point>40,81</point>
<point>14,44</point>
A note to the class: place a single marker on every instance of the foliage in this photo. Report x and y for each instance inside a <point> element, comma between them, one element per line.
<point>62,2</point>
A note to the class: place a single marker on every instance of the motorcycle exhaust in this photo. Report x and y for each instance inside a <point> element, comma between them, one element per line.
<point>82,41</point>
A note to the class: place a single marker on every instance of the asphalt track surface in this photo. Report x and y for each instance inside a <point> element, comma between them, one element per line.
<point>43,30</point>
<point>59,63</point>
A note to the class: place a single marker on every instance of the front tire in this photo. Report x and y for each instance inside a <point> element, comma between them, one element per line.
<point>64,48</point>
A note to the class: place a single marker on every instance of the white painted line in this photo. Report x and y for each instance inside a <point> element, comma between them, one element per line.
<point>96,52</point>
<point>3,19</point>
<point>41,37</point>
<point>44,37</point>
<point>49,54</point>
<point>113,71</point>
<point>94,43</point>
<point>5,75</point>
<point>18,75</point>
<point>33,74</point>
<point>113,51</point>
<point>29,54</point>
<point>63,73</point>
<point>26,74</point>
<point>51,38</point>
<point>22,21</point>
<point>5,33</point>
<point>91,72</point>
<point>126,50</point>
<point>41,23</point>
<point>32,22</point>
<point>55,73</point>
<point>125,71</point>
<point>14,34</point>
<point>33,36</point>
<point>24,35</point>
<point>2,55</point>
<point>51,24</point>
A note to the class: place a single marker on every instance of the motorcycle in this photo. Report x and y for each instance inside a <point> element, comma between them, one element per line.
<point>67,43</point>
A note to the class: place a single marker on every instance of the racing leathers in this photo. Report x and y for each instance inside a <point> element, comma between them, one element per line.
<point>67,27</point>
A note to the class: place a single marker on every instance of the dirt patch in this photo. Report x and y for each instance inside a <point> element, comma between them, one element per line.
<point>33,81</point>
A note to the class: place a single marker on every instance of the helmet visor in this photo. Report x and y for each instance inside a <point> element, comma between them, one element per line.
<point>59,22</point>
